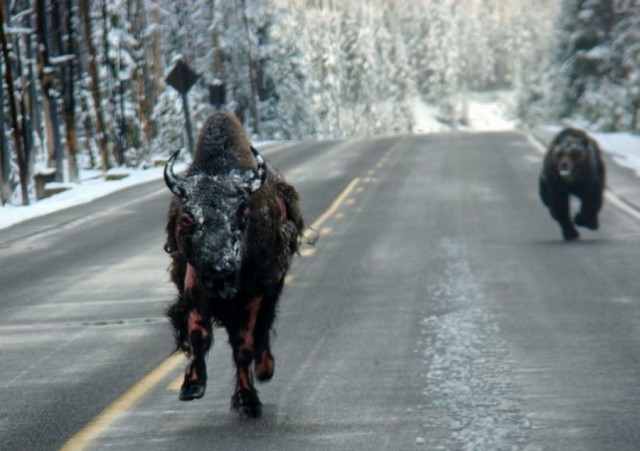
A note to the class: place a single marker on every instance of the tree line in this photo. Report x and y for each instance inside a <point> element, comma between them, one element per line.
<point>84,80</point>
<point>592,73</point>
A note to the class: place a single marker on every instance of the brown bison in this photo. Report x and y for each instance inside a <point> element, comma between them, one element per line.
<point>573,165</point>
<point>234,224</point>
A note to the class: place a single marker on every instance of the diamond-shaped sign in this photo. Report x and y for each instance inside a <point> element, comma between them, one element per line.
<point>181,77</point>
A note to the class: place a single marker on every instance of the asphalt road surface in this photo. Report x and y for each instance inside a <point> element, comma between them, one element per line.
<point>439,309</point>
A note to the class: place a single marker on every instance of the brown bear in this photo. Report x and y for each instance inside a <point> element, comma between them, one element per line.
<point>573,165</point>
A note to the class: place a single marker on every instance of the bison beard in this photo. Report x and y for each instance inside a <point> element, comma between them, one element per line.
<point>573,165</point>
<point>233,227</point>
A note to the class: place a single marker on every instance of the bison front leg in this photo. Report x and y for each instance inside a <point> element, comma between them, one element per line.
<point>245,398</point>
<point>200,340</point>
<point>264,361</point>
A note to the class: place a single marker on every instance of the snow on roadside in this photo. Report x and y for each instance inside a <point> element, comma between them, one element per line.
<point>623,147</point>
<point>78,193</point>
<point>487,111</point>
<point>425,117</point>
<point>488,114</point>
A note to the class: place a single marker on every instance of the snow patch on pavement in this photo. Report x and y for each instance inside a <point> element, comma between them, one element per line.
<point>469,390</point>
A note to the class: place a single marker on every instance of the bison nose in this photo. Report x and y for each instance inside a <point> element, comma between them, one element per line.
<point>220,280</point>
<point>564,169</point>
<point>217,273</point>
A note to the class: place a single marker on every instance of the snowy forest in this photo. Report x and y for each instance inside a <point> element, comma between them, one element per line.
<point>86,84</point>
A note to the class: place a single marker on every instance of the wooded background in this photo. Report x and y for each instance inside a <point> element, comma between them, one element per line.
<point>84,80</point>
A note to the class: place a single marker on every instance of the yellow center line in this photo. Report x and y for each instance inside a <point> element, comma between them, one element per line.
<point>96,427</point>
<point>326,231</point>
<point>332,208</point>
<point>308,252</point>
<point>99,424</point>
<point>176,384</point>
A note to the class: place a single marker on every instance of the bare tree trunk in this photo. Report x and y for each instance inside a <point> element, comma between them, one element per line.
<point>119,142</point>
<point>215,38</point>
<point>5,155</point>
<point>33,120</point>
<point>253,79</point>
<point>16,123</point>
<point>145,87</point>
<point>45,74</point>
<point>158,69</point>
<point>103,141</point>
<point>67,46</point>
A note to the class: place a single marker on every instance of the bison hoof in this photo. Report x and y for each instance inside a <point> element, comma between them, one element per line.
<point>589,223</point>
<point>247,403</point>
<point>191,390</point>
<point>265,367</point>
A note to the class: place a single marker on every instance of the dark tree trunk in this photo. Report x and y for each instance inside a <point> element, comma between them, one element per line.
<point>33,120</point>
<point>102,139</point>
<point>66,46</point>
<point>145,86</point>
<point>16,123</point>
<point>46,76</point>
<point>114,102</point>
<point>5,156</point>
<point>253,79</point>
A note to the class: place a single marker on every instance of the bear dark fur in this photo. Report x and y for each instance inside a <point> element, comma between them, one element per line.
<point>573,165</point>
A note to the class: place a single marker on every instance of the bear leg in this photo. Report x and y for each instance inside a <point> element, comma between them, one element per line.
<point>589,208</point>
<point>559,209</point>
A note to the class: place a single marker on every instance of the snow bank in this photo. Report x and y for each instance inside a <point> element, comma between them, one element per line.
<point>487,111</point>
<point>488,115</point>
<point>91,188</point>
<point>426,117</point>
<point>624,147</point>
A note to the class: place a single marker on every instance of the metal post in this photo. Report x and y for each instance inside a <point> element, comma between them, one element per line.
<point>187,115</point>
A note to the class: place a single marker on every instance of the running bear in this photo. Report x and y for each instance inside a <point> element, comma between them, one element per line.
<point>573,165</point>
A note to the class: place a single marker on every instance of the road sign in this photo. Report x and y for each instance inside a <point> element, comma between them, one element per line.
<point>181,77</point>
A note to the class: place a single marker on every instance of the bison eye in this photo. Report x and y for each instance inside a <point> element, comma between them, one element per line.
<point>243,213</point>
<point>186,221</point>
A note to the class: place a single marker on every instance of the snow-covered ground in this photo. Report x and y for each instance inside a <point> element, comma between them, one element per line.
<point>485,114</point>
<point>92,187</point>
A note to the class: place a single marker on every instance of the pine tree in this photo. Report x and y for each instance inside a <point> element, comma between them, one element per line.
<point>626,48</point>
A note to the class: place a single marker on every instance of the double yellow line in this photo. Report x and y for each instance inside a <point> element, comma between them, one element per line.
<point>96,427</point>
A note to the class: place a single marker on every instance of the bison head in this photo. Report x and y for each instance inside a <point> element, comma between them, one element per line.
<point>211,228</point>
<point>570,157</point>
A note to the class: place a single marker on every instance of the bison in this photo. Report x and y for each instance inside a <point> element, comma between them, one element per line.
<point>573,165</point>
<point>233,226</point>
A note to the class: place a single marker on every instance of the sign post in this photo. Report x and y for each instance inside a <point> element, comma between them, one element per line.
<point>182,77</point>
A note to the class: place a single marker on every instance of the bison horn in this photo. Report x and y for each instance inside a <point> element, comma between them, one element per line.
<point>259,176</point>
<point>176,184</point>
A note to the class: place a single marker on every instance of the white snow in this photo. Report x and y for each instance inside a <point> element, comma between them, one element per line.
<point>624,147</point>
<point>469,388</point>
<point>487,114</point>
<point>484,114</point>
<point>425,117</point>
<point>90,189</point>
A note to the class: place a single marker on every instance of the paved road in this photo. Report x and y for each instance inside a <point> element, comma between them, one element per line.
<point>438,310</point>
